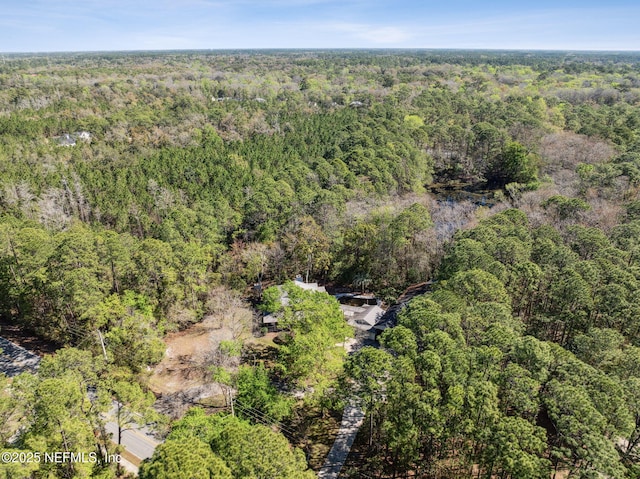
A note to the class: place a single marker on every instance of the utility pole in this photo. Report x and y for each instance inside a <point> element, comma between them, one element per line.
<point>104,351</point>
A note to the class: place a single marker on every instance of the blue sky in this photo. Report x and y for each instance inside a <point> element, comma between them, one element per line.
<point>89,25</point>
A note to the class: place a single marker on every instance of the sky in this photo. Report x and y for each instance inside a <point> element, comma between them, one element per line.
<point>107,25</point>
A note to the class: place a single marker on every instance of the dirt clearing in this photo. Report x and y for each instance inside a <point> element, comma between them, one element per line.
<point>183,377</point>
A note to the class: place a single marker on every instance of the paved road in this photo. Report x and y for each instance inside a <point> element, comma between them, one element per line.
<point>135,441</point>
<point>15,359</point>
<point>352,419</point>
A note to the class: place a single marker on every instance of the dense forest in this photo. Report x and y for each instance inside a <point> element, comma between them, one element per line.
<point>139,191</point>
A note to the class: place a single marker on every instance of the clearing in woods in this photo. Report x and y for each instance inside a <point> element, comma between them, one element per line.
<point>183,377</point>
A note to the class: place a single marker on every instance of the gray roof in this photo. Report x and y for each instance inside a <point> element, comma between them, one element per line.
<point>362,317</point>
<point>270,319</point>
<point>66,140</point>
<point>309,286</point>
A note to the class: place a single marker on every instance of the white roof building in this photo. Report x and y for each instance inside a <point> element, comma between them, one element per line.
<point>309,286</point>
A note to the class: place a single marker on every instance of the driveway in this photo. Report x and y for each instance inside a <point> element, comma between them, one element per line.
<point>352,419</point>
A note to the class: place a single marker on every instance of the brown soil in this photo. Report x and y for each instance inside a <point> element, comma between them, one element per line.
<point>188,355</point>
<point>182,379</point>
<point>26,339</point>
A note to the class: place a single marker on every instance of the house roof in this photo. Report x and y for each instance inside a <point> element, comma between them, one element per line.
<point>349,310</point>
<point>285,301</point>
<point>269,319</point>
<point>364,317</point>
<point>82,135</point>
<point>390,317</point>
<point>309,286</point>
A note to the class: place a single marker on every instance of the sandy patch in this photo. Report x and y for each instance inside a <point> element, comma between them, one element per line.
<point>188,357</point>
<point>183,378</point>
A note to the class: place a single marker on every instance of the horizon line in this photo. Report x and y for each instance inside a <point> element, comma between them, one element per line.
<point>321,49</point>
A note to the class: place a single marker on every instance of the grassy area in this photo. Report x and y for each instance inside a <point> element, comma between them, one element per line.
<point>266,340</point>
<point>317,434</point>
<point>216,401</point>
<point>131,458</point>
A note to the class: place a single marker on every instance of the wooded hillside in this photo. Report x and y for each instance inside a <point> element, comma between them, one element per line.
<point>136,187</point>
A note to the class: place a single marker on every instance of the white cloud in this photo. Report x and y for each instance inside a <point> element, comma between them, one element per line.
<point>158,24</point>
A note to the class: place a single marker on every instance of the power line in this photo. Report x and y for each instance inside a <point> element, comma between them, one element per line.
<point>264,419</point>
<point>265,416</point>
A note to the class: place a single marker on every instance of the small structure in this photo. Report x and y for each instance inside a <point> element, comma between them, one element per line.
<point>71,139</point>
<point>66,140</point>
<point>270,321</point>
<point>83,136</point>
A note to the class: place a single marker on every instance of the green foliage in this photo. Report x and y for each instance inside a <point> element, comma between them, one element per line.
<point>58,416</point>
<point>514,164</point>
<point>187,458</point>
<point>401,341</point>
<point>307,248</point>
<point>312,353</point>
<point>386,249</point>
<point>314,163</point>
<point>132,405</point>
<point>515,448</point>
<point>477,285</point>
<point>134,342</point>
<point>460,369</point>
<point>413,122</point>
<point>18,469</point>
<point>271,300</point>
<point>249,451</point>
<point>256,451</point>
<point>367,374</point>
<point>565,207</point>
<point>581,427</point>
<point>255,390</point>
